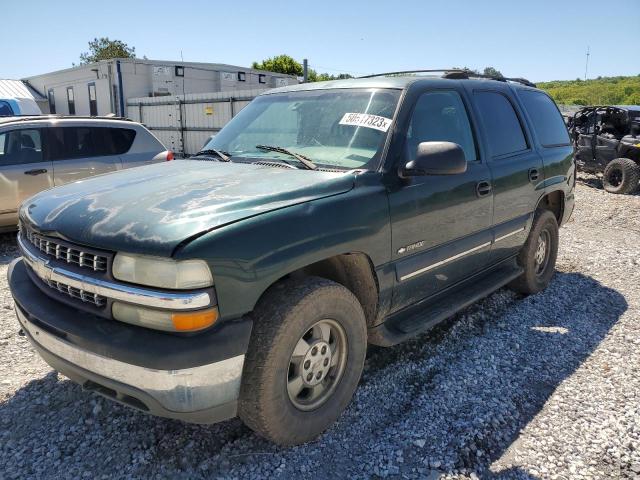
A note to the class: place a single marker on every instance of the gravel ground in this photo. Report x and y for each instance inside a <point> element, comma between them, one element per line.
<point>541,387</point>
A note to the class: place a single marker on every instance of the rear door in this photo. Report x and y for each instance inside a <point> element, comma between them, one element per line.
<point>23,170</point>
<point>516,168</point>
<point>78,152</point>
<point>551,136</point>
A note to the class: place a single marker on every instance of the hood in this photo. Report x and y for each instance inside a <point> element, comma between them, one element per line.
<point>154,208</point>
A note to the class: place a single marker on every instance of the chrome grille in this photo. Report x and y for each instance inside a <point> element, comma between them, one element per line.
<point>88,297</point>
<point>65,253</point>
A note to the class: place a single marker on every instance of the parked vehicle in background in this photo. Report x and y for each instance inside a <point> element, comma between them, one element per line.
<point>607,141</point>
<point>18,106</point>
<point>17,98</point>
<point>40,152</point>
<point>248,280</point>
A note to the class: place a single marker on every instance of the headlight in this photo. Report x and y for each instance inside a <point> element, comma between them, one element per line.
<point>164,320</point>
<point>162,272</point>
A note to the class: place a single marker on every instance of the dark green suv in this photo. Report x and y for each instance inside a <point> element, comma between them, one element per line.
<point>249,279</point>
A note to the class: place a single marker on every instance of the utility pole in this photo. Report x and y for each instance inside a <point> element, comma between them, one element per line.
<point>586,67</point>
<point>305,70</point>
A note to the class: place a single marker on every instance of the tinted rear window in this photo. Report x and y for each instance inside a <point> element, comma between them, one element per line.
<point>502,126</point>
<point>121,138</point>
<point>83,142</point>
<point>547,121</point>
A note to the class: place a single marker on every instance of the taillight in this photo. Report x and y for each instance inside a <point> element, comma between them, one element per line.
<point>170,155</point>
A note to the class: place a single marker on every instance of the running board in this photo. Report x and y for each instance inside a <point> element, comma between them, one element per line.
<point>427,313</point>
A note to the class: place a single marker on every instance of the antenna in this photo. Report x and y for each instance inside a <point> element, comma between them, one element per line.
<point>586,66</point>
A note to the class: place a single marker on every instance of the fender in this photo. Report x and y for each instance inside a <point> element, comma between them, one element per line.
<point>247,257</point>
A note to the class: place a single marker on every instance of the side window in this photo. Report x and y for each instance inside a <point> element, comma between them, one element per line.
<point>5,108</point>
<point>70,142</point>
<point>20,146</point>
<point>52,100</point>
<point>112,141</point>
<point>547,121</point>
<point>93,101</point>
<point>502,126</point>
<point>121,139</point>
<point>441,116</point>
<point>70,101</point>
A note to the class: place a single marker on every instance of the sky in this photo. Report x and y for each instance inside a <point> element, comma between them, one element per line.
<point>542,40</point>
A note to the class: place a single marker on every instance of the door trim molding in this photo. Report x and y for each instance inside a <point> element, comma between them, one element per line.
<point>507,235</point>
<point>442,262</point>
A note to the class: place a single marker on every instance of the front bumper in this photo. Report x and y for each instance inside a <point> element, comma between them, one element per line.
<point>191,378</point>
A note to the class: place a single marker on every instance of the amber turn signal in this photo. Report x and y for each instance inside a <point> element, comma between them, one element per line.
<point>185,322</point>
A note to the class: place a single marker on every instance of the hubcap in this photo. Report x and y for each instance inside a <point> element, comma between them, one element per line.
<point>541,255</point>
<point>317,364</point>
<point>615,178</point>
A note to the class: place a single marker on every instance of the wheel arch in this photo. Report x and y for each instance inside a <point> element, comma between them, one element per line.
<point>553,201</point>
<point>353,270</point>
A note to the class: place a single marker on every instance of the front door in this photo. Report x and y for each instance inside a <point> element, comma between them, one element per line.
<point>23,171</point>
<point>441,225</point>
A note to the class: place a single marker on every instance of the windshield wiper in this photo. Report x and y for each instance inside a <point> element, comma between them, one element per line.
<point>301,158</point>
<point>224,156</point>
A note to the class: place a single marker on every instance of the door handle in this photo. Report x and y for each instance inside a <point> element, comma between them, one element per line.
<point>534,174</point>
<point>483,188</point>
<point>36,171</point>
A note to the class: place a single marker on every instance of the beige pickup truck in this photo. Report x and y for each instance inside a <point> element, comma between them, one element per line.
<point>41,152</point>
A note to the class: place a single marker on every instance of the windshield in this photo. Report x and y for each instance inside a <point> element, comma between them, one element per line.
<point>339,128</point>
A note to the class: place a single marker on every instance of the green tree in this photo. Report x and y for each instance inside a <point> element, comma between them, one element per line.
<point>601,91</point>
<point>289,66</point>
<point>105,49</point>
<point>492,72</point>
<point>280,64</point>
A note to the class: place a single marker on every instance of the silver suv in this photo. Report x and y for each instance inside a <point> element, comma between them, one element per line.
<point>40,152</point>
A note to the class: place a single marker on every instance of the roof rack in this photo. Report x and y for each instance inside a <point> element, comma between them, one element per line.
<point>25,118</point>
<point>456,73</point>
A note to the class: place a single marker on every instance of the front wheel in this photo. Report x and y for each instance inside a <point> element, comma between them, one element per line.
<point>304,361</point>
<point>538,255</point>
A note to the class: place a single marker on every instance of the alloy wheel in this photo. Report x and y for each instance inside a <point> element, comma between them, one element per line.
<point>317,364</point>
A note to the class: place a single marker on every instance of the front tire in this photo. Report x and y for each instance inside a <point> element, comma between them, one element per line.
<point>539,254</point>
<point>304,361</point>
<point>621,175</point>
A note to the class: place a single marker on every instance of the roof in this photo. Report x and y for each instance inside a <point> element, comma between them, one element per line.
<point>61,119</point>
<point>394,82</point>
<point>214,67</point>
<point>17,89</point>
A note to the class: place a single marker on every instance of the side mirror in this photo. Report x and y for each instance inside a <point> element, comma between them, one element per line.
<point>436,158</point>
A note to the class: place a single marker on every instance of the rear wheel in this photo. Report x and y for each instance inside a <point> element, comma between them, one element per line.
<point>621,175</point>
<point>538,256</point>
<point>304,361</point>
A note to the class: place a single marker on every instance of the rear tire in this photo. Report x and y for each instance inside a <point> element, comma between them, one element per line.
<point>539,254</point>
<point>304,361</point>
<point>621,175</point>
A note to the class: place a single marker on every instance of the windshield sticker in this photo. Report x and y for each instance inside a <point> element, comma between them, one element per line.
<point>366,120</point>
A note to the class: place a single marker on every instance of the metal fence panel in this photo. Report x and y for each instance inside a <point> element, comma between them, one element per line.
<point>184,122</point>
